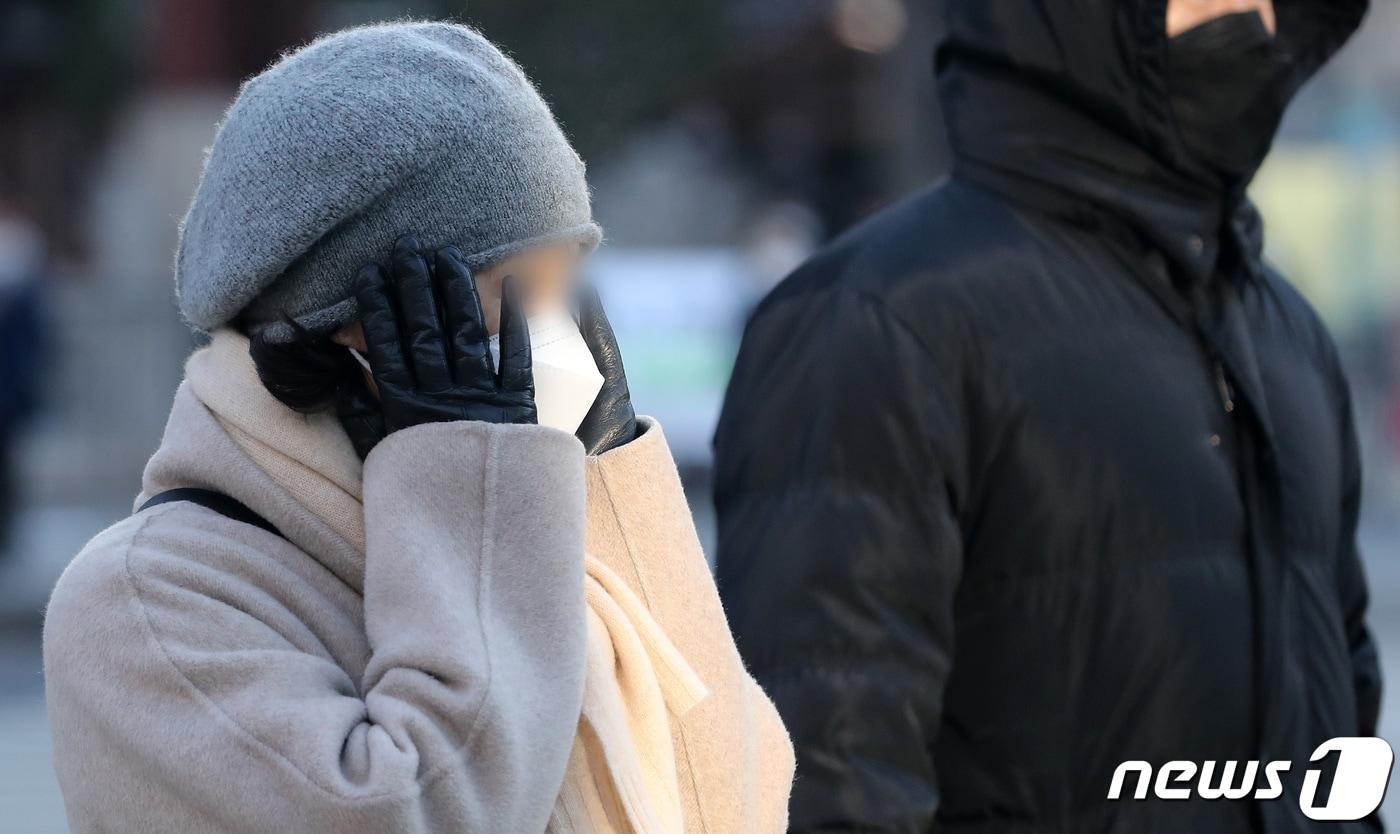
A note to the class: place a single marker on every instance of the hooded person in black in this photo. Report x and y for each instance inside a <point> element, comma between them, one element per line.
<point>1043,469</point>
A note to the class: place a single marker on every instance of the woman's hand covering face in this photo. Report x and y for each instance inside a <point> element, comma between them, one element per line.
<point>426,341</point>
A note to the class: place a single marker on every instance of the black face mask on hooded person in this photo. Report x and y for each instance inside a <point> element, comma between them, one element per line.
<point>1220,74</point>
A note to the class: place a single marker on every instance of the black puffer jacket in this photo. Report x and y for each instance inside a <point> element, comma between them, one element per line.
<point>1042,470</point>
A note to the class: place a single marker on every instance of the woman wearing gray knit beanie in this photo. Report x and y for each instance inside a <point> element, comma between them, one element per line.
<point>405,559</point>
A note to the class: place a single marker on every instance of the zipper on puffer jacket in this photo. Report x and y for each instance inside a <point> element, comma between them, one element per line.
<point>1222,383</point>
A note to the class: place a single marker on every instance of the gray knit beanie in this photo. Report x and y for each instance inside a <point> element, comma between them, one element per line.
<point>362,136</point>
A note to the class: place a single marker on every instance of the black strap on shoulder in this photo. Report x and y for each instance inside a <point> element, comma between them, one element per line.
<point>216,501</point>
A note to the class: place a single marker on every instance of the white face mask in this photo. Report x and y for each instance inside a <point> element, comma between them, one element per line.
<point>567,380</point>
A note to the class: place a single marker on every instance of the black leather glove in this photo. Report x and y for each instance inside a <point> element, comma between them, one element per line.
<point>611,422</point>
<point>358,410</point>
<point>433,365</point>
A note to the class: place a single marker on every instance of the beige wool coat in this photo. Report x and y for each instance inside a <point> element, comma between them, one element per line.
<point>206,675</point>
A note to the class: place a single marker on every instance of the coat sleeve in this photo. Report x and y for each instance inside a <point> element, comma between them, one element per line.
<point>734,759</point>
<point>1365,663</point>
<point>840,550</point>
<point>191,686</point>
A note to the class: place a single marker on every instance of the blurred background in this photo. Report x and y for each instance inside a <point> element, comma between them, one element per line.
<point>725,140</point>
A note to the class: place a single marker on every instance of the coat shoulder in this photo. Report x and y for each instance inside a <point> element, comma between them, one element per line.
<point>101,578</point>
<point>934,246</point>
<point>94,581</point>
<point>1294,320</point>
<point>155,565</point>
<point>163,538</point>
<point>94,620</point>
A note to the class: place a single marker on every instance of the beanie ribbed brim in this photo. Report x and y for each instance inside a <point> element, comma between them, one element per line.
<point>342,313</point>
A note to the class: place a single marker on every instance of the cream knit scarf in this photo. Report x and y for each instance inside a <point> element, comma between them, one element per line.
<point>621,775</point>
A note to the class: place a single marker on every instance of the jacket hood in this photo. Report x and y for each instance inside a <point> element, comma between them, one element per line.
<point>1072,95</point>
